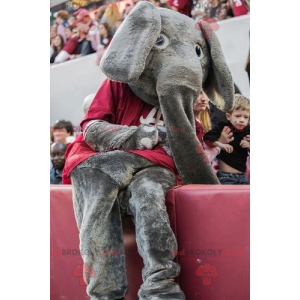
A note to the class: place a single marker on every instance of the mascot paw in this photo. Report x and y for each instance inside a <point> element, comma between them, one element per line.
<point>147,143</point>
<point>148,137</point>
<point>144,138</point>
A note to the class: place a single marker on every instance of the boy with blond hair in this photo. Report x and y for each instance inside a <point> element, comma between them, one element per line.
<point>233,156</point>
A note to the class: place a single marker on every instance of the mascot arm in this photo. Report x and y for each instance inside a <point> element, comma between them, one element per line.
<point>105,136</point>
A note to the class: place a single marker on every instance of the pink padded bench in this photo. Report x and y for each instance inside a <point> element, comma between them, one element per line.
<point>212,225</point>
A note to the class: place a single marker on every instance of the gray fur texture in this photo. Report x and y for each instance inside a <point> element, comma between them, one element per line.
<point>97,183</point>
<point>171,76</point>
<point>103,136</point>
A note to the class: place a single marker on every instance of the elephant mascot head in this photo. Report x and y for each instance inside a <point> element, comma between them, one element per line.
<point>167,60</point>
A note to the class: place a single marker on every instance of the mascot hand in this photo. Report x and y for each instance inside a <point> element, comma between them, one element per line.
<point>163,139</point>
<point>144,138</point>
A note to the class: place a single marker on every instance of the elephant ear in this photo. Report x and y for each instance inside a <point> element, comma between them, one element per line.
<point>125,58</point>
<point>219,84</point>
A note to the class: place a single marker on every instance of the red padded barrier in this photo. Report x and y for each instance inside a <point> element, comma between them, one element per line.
<point>64,247</point>
<point>211,221</point>
<point>64,251</point>
<point>212,226</point>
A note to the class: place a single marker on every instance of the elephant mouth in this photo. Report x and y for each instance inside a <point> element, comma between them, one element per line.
<point>146,92</point>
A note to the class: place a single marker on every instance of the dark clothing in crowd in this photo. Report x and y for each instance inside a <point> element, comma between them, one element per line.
<point>55,176</point>
<point>217,115</point>
<point>84,47</point>
<point>238,158</point>
<point>248,70</point>
<point>52,58</point>
<point>232,178</point>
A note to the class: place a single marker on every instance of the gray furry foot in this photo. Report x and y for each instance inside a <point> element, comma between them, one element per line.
<point>166,296</point>
<point>173,296</point>
<point>165,292</point>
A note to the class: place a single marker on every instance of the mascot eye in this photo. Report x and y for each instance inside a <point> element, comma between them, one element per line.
<point>162,41</point>
<point>199,51</point>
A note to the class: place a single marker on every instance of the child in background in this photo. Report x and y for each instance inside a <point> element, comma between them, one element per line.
<point>62,23</point>
<point>233,156</point>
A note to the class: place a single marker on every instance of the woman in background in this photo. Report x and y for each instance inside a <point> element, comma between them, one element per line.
<point>203,125</point>
<point>111,16</point>
<point>202,116</point>
<point>101,41</point>
<point>58,44</point>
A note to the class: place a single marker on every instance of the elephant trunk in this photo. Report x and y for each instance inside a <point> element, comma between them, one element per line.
<point>177,109</point>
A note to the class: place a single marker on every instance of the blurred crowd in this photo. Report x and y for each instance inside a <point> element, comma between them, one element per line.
<point>85,32</point>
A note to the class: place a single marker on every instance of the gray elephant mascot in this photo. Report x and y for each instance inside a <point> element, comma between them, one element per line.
<point>138,140</point>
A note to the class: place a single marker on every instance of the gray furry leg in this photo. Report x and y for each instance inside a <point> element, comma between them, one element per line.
<point>101,242</point>
<point>155,239</point>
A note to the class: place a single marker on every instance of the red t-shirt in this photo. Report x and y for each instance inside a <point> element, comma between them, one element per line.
<point>239,8</point>
<point>117,104</point>
<point>199,131</point>
<point>71,45</point>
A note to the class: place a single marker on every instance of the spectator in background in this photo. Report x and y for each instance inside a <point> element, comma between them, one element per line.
<point>101,41</point>
<point>129,8</point>
<point>240,7</point>
<point>52,36</point>
<point>111,16</point>
<point>63,132</point>
<point>69,32</point>
<point>118,24</point>
<point>233,156</point>
<point>81,13</point>
<point>103,37</point>
<point>203,125</point>
<point>247,64</point>
<point>78,45</point>
<point>100,13</point>
<point>84,46</point>
<point>52,33</point>
<point>247,3</point>
<point>202,115</point>
<point>69,49</point>
<point>57,153</point>
<point>58,44</point>
<point>165,5</point>
<point>156,2</point>
<point>181,6</point>
<point>210,9</point>
<point>72,20</point>
<point>62,23</point>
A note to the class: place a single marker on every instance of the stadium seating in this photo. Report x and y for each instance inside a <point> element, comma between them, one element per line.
<point>212,226</point>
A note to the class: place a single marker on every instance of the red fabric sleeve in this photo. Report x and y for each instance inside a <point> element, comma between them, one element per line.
<point>71,45</point>
<point>104,105</point>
